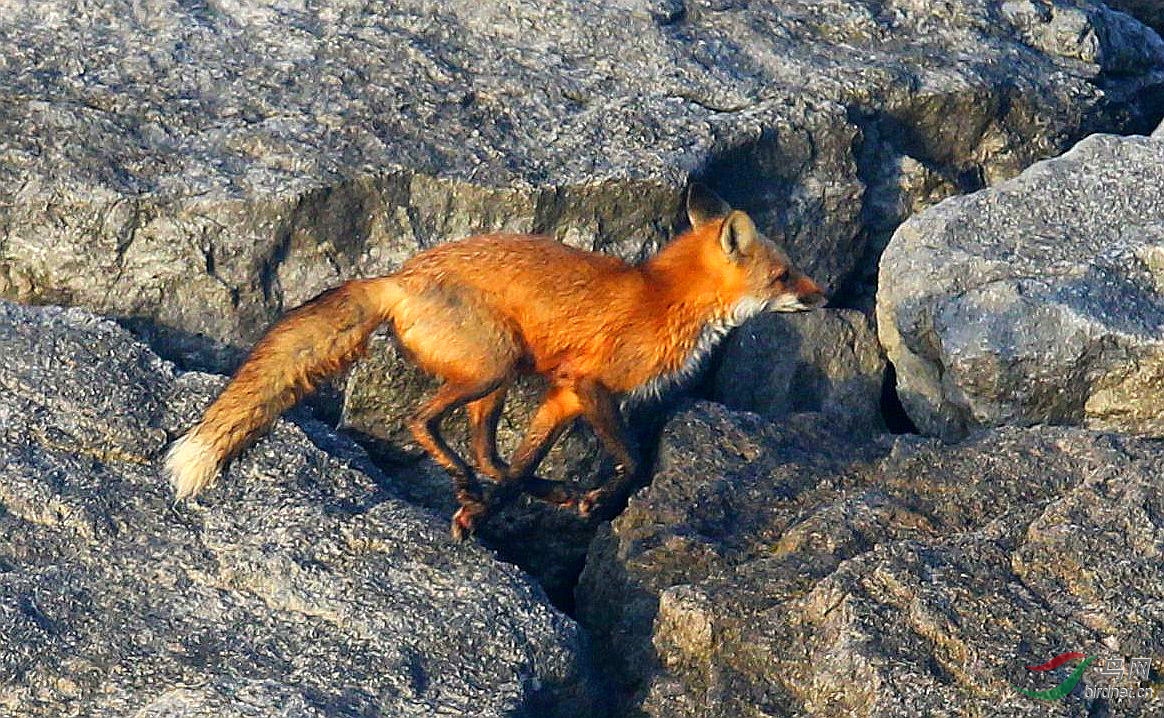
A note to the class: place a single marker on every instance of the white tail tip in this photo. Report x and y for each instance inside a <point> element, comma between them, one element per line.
<point>191,465</point>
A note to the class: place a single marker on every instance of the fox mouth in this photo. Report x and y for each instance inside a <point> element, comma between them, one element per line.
<point>793,303</point>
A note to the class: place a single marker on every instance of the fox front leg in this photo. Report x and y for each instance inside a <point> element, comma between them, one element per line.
<point>559,407</point>
<point>599,410</point>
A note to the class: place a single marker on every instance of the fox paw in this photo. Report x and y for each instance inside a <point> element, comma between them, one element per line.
<point>463,525</point>
<point>590,501</point>
<point>465,520</point>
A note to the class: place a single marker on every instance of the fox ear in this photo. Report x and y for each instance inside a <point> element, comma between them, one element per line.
<point>738,233</point>
<point>704,206</point>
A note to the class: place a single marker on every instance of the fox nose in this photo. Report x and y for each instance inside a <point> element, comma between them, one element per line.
<point>810,293</point>
<point>816,300</point>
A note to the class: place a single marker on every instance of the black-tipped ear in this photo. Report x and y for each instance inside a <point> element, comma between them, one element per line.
<point>738,233</point>
<point>704,206</point>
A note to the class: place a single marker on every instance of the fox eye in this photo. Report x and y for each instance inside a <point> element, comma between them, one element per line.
<point>780,276</point>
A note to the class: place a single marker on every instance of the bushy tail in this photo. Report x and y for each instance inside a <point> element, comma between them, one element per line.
<point>318,339</point>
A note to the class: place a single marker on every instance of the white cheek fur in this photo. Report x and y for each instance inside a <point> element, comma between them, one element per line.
<point>711,334</point>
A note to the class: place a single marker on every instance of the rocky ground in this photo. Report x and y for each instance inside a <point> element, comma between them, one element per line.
<point>192,169</point>
<point>784,569</point>
<point>308,588</point>
<point>1149,12</point>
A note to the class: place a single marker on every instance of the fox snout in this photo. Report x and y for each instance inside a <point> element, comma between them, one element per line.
<point>803,295</point>
<point>810,294</point>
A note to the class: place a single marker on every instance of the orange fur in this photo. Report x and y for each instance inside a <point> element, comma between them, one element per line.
<point>316,340</point>
<point>480,311</point>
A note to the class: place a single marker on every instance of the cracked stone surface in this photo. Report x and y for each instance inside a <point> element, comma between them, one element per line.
<point>1040,300</point>
<point>300,586</point>
<point>198,167</point>
<point>826,361</point>
<point>783,569</point>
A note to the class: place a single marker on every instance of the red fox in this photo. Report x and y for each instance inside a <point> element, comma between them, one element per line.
<point>478,312</point>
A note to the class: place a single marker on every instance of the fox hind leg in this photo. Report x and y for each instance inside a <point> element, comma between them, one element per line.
<point>426,429</point>
<point>452,334</point>
<point>484,414</point>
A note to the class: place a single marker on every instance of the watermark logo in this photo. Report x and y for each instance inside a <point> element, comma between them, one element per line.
<point>1068,683</point>
<point>1124,678</point>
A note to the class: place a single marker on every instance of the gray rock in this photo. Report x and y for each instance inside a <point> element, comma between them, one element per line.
<point>301,586</point>
<point>781,569</point>
<point>1037,301</point>
<point>1149,12</point>
<point>826,361</point>
<point>200,166</point>
<point>725,486</point>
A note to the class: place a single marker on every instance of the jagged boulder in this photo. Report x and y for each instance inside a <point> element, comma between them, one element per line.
<point>826,361</point>
<point>201,166</point>
<point>301,585</point>
<point>1040,300</point>
<point>783,569</point>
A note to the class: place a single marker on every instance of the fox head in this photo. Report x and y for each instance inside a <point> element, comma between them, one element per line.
<point>752,270</point>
